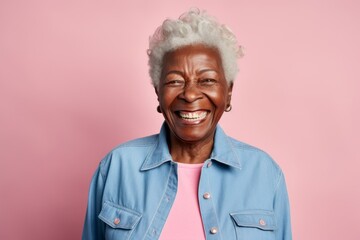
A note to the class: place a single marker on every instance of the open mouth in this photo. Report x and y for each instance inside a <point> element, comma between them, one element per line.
<point>195,116</point>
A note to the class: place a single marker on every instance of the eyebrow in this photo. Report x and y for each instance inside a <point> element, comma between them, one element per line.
<point>174,72</point>
<point>207,70</point>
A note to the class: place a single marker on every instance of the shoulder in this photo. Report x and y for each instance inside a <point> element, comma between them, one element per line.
<point>244,147</point>
<point>138,143</point>
<point>257,164</point>
<point>132,152</point>
<point>253,156</point>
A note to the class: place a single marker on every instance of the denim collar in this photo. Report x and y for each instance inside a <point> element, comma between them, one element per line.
<point>223,151</point>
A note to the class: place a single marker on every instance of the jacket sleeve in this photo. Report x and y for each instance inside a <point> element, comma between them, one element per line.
<point>93,226</point>
<point>282,210</point>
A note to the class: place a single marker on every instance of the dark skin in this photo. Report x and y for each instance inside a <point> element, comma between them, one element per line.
<point>193,94</point>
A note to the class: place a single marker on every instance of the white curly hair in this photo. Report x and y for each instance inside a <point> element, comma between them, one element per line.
<point>193,27</point>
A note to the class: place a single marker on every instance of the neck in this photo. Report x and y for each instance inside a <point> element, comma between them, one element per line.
<point>190,152</point>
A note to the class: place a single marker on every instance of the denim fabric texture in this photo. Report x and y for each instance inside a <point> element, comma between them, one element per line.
<point>135,185</point>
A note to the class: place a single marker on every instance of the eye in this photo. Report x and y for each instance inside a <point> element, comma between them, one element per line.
<point>208,81</point>
<point>175,83</point>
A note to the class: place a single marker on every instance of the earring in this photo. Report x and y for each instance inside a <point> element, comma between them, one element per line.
<point>158,109</point>
<point>228,109</point>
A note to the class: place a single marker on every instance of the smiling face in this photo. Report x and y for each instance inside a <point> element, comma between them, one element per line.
<point>193,92</point>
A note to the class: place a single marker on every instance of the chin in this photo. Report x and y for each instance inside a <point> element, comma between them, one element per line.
<point>193,133</point>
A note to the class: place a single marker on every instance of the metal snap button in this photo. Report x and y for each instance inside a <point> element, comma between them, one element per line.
<point>213,230</point>
<point>262,222</point>
<point>206,195</point>
<point>116,221</point>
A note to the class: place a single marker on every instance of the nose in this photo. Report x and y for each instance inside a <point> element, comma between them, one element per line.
<point>191,92</point>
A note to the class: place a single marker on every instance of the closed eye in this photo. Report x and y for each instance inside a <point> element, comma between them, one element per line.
<point>175,82</point>
<point>208,81</point>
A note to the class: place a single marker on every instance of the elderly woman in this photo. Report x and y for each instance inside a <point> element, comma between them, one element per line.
<point>190,181</point>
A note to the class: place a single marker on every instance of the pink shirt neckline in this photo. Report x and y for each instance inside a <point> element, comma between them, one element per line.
<point>190,165</point>
<point>184,220</point>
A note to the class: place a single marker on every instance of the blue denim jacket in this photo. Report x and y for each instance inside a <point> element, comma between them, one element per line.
<point>135,185</point>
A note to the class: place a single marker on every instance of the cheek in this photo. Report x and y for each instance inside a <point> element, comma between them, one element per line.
<point>218,98</point>
<point>166,97</point>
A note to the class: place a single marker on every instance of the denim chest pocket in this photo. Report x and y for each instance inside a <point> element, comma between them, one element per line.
<point>254,224</point>
<point>120,221</point>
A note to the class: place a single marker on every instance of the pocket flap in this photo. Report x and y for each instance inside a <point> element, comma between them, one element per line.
<point>261,219</point>
<point>119,217</point>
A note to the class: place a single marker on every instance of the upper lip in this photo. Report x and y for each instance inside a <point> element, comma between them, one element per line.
<point>192,110</point>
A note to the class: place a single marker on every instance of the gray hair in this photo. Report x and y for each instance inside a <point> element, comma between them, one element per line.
<point>193,27</point>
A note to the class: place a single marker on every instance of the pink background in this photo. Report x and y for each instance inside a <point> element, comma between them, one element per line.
<point>74,83</point>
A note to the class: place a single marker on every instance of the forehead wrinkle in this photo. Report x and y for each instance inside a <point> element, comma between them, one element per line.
<point>190,63</point>
<point>198,64</point>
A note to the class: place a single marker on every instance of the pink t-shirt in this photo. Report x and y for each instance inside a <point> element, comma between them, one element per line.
<point>184,220</point>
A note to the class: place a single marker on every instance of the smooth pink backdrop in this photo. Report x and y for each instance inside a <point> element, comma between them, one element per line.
<point>74,83</point>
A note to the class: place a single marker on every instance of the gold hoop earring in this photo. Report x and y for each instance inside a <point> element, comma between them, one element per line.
<point>228,109</point>
<point>158,109</point>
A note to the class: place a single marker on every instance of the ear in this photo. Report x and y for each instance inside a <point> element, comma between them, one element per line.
<point>157,93</point>
<point>230,88</point>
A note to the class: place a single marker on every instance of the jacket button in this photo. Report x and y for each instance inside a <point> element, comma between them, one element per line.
<point>209,164</point>
<point>116,221</point>
<point>213,230</point>
<point>206,195</point>
<point>262,222</point>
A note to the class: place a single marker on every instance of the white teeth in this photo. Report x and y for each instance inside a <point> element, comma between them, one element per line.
<point>193,115</point>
